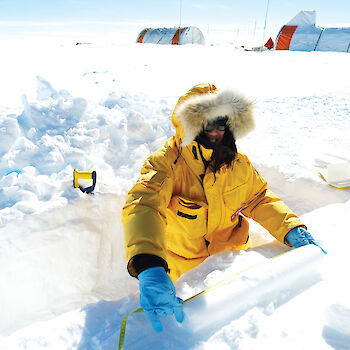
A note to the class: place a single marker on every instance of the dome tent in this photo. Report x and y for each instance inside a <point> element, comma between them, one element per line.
<point>171,36</point>
<point>301,34</point>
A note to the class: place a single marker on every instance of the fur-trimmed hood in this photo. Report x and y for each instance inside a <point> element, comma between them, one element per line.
<point>204,103</point>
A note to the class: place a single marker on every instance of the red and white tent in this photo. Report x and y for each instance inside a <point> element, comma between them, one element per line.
<point>302,34</point>
<point>171,36</point>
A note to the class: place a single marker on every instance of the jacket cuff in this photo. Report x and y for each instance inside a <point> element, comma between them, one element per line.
<point>286,240</point>
<point>142,262</point>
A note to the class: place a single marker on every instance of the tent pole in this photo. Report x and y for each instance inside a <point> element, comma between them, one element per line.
<point>319,37</point>
<point>180,11</point>
<point>267,9</point>
<point>254,33</point>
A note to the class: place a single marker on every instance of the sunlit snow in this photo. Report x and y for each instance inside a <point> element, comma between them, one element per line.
<point>106,106</point>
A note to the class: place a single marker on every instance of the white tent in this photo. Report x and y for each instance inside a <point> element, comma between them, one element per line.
<point>171,36</point>
<point>302,34</point>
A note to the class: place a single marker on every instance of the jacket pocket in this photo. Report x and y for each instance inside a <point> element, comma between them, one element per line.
<point>235,199</point>
<point>231,238</point>
<point>188,218</point>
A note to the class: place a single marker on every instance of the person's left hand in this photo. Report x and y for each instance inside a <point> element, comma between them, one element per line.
<point>299,237</point>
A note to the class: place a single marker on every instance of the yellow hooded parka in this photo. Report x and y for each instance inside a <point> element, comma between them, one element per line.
<point>182,212</point>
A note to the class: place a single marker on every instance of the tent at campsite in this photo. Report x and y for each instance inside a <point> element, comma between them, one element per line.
<point>171,36</point>
<point>301,34</point>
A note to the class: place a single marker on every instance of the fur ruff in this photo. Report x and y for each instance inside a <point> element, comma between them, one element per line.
<point>196,112</point>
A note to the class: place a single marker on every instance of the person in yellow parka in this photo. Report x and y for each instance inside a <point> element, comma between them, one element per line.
<point>193,198</point>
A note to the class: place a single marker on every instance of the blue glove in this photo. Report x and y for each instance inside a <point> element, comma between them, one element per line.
<point>299,237</point>
<point>158,297</point>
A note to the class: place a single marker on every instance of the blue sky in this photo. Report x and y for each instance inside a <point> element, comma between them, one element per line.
<point>239,22</point>
<point>194,12</point>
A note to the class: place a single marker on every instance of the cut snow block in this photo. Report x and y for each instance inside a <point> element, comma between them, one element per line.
<point>275,280</point>
<point>334,169</point>
<point>339,172</point>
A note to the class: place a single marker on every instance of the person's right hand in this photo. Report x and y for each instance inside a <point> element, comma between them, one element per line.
<point>158,296</point>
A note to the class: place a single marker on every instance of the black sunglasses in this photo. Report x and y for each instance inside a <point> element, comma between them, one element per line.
<point>219,123</point>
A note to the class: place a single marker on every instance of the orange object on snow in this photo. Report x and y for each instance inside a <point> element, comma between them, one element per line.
<point>269,44</point>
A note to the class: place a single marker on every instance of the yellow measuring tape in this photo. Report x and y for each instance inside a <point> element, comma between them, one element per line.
<point>123,325</point>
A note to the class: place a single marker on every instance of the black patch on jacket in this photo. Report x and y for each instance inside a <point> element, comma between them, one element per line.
<point>187,216</point>
<point>194,151</point>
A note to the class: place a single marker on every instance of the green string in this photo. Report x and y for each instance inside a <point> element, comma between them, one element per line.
<point>122,328</point>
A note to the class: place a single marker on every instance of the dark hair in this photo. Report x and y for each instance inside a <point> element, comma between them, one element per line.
<point>223,153</point>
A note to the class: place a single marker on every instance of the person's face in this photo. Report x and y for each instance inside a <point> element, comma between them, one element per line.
<point>215,130</point>
<point>215,136</point>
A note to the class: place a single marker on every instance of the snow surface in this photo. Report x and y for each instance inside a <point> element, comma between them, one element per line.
<point>105,106</point>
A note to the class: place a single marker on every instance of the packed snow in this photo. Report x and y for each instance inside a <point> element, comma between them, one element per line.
<point>105,106</point>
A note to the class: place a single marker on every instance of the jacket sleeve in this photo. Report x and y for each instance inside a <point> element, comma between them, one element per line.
<point>144,213</point>
<point>267,209</point>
